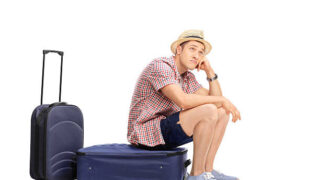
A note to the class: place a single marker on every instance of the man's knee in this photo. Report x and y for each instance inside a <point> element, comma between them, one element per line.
<point>209,113</point>
<point>222,113</point>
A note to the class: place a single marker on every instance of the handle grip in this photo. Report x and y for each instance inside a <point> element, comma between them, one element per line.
<point>53,51</point>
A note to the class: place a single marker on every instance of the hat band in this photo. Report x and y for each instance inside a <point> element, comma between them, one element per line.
<point>193,37</point>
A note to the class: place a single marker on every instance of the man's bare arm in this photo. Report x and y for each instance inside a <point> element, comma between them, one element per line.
<point>187,101</point>
<point>205,92</point>
<point>214,90</point>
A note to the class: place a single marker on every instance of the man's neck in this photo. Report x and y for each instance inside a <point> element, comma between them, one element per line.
<point>181,70</point>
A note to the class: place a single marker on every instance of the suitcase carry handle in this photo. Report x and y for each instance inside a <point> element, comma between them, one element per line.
<point>187,163</point>
<point>43,65</point>
<point>53,51</point>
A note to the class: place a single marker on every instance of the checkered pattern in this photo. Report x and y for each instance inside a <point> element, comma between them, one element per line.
<point>149,106</point>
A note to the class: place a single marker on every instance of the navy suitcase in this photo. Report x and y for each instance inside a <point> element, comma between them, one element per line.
<point>127,162</point>
<point>56,135</point>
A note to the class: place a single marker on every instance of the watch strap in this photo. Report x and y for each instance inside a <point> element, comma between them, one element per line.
<point>213,78</point>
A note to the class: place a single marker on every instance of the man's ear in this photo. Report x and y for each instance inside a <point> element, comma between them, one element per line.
<point>179,49</point>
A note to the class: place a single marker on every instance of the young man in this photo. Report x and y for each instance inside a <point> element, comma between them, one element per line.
<point>170,108</point>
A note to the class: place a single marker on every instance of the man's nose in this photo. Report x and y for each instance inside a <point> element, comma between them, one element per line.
<point>196,56</point>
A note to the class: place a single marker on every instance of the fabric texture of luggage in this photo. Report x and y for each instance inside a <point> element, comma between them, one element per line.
<point>127,162</point>
<point>56,135</point>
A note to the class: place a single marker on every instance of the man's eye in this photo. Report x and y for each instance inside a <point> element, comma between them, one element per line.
<point>192,49</point>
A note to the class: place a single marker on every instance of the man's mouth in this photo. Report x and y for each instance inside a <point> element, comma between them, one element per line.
<point>193,61</point>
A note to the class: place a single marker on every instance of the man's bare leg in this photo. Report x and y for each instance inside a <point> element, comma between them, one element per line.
<point>220,128</point>
<point>199,122</point>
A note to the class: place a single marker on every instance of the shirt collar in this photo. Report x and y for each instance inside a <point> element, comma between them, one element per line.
<point>172,63</point>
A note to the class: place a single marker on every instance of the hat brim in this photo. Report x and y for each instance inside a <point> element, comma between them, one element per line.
<point>207,45</point>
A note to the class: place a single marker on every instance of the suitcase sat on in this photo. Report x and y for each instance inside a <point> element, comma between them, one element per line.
<point>56,136</point>
<point>127,162</point>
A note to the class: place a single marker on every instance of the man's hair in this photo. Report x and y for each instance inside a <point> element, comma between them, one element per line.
<point>184,43</point>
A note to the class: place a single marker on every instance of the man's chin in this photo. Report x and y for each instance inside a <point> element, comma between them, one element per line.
<point>191,68</point>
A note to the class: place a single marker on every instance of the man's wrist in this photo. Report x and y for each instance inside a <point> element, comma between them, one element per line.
<point>219,100</point>
<point>210,74</point>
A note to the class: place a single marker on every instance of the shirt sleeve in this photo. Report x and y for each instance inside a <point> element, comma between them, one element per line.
<point>194,85</point>
<point>161,74</point>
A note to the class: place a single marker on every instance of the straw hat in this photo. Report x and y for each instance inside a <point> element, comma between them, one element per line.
<point>189,35</point>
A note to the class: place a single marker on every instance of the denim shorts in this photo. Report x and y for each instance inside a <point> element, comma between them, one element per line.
<point>172,134</point>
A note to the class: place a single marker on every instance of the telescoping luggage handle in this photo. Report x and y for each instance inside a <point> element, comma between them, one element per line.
<point>43,65</point>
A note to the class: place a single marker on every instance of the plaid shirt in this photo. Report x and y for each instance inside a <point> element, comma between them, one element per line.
<point>149,106</point>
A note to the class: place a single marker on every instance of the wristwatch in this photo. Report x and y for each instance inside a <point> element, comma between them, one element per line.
<point>212,79</point>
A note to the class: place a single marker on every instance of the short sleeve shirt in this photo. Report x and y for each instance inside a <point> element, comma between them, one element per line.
<point>149,106</point>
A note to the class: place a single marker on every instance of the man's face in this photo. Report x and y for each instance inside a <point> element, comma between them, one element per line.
<point>191,54</point>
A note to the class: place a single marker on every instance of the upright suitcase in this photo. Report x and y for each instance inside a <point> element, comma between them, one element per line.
<point>127,162</point>
<point>56,135</point>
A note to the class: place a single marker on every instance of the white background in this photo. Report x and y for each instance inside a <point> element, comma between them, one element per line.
<point>266,54</point>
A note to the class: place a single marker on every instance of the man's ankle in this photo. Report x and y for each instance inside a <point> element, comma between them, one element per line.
<point>196,173</point>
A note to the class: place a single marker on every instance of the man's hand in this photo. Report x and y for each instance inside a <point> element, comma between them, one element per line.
<point>229,107</point>
<point>204,65</point>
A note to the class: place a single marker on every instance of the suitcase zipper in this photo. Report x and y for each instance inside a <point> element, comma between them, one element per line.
<point>43,115</point>
<point>177,153</point>
<point>36,148</point>
<point>45,142</point>
<point>167,154</point>
<point>37,135</point>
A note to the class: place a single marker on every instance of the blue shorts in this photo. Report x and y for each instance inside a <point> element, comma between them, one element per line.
<point>172,134</point>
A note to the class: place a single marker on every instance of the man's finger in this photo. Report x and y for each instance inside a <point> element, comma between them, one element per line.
<point>199,65</point>
<point>236,112</point>
<point>238,115</point>
<point>233,116</point>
